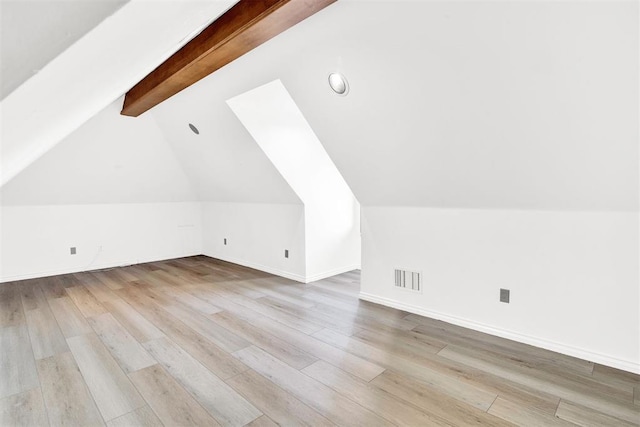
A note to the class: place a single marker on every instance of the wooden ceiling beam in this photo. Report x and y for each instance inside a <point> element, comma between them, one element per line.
<point>246,25</point>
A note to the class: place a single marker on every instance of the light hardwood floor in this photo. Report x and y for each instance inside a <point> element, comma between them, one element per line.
<point>197,341</point>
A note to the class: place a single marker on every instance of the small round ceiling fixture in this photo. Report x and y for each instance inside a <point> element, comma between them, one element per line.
<point>194,129</point>
<point>338,84</point>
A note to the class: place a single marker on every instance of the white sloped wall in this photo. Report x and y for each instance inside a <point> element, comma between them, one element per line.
<point>113,190</point>
<point>331,212</point>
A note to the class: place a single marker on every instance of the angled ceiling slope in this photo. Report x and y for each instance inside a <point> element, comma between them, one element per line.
<point>490,105</point>
<point>245,26</point>
<point>110,159</point>
<point>93,73</point>
<point>474,106</point>
<point>44,29</point>
<point>223,161</point>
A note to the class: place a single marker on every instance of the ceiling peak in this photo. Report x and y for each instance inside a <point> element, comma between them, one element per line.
<point>245,26</point>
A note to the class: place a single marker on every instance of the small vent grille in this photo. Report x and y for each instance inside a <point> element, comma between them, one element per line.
<point>410,280</point>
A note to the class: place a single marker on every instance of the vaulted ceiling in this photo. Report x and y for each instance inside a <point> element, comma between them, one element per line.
<point>499,105</point>
<point>33,33</point>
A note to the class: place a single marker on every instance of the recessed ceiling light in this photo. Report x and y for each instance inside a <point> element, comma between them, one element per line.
<point>194,129</point>
<point>338,83</point>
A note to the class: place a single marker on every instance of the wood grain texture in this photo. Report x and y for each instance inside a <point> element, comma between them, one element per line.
<point>433,402</point>
<point>207,342</point>
<point>371,397</point>
<point>108,279</point>
<point>111,389</point>
<point>581,390</point>
<point>23,409</point>
<point>136,324</point>
<point>32,295</point>
<point>523,415</point>
<point>46,337</point>
<point>281,406</point>
<point>125,274</point>
<point>17,365</point>
<point>203,325</point>
<point>99,290</point>
<point>246,25</point>
<point>11,312</point>
<point>615,377</point>
<point>442,382</point>
<point>141,417</point>
<point>281,349</point>
<point>348,362</point>
<point>222,402</point>
<point>65,392</point>
<point>85,301</point>
<point>189,301</point>
<point>169,401</point>
<point>299,323</point>
<point>263,421</point>
<point>587,417</point>
<point>506,349</point>
<point>323,399</point>
<point>124,348</point>
<point>213,357</point>
<point>345,326</point>
<point>69,318</point>
<point>52,287</point>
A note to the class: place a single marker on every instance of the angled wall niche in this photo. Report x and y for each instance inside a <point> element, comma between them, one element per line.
<point>332,213</point>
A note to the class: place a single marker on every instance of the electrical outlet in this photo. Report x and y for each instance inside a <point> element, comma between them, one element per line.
<point>72,250</point>
<point>286,253</point>
<point>504,295</point>
<point>225,241</point>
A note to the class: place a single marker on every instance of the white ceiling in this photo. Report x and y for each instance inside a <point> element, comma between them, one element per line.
<point>224,163</point>
<point>110,159</point>
<point>499,105</point>
<point>517,105</point>
<point>43,29</point>
<point>94,72</point>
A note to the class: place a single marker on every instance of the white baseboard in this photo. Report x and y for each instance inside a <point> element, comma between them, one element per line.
<point>603,359</point>
<point>120,263</point>
<point>256,266</point>
<point>92,267</point>
<point>283,273</point>
<point>331,273</point>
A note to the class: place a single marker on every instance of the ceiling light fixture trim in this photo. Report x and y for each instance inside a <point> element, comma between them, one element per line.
<point>339,84</point>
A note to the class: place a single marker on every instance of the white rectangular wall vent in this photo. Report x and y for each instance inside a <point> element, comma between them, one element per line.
<point>409,280</point>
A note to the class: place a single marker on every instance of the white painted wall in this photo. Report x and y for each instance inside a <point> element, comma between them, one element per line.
<point>110,159</point>
<point>257,235</point>
<point>92,73</point>
<point>223,162</point>
<point>113,183</point>
<point>332,213</point>
<point>44,30</point>
<point>573,276</point>
<point>332,238</point>
<point>35,240</point>
<point>479,105</point>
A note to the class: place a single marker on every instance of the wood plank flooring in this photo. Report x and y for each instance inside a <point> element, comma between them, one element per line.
<point>198,341</point>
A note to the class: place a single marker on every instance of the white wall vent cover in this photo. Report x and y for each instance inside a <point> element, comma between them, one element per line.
<point>409,280</point>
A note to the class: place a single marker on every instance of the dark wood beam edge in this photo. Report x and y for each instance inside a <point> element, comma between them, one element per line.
<point>245,26</point>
